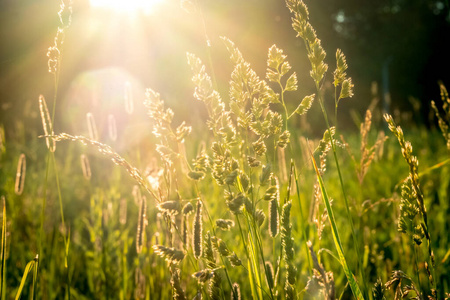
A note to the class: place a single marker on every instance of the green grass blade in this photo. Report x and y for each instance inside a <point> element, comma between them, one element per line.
<point>28,268</point>
<point>252,283</point>
<point>35,275</point>
<point>303,222</point>
<point>254,261</point>
<point>337,241</point>
<point>3,252</point>
<point>251,272</point>
<point>434,167</point>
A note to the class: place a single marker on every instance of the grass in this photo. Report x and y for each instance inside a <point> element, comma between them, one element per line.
<point>222,212</point>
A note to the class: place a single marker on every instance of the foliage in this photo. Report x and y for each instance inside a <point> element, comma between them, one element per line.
<point>203,231</point>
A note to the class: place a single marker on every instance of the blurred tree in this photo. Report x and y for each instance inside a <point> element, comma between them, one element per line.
<point>402,39</point>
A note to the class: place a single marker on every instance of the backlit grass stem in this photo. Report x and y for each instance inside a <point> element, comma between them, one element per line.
<point>302,221</point>
<point>316,55</point>
<point>344,193</point>
<point>337,240</point>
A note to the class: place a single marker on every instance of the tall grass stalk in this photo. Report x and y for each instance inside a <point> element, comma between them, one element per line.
<point>412,193</point>
<point>256,248</point>
<point>344,193</point>
<point>316,55</point>
<point>337,240</point>
<point>54,63</point>
<point>256,235</point>
<point>253,267</point>
<point>302,221</point>
<point>254,262</point>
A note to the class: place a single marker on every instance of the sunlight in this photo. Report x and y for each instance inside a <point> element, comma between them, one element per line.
<point>128,6</point>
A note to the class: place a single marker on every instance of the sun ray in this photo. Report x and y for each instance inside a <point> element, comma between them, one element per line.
<point>129,6</point>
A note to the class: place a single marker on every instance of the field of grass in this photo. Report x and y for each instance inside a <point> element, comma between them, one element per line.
<point>246,206</point>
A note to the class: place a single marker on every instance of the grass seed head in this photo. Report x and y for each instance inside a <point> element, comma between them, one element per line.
<point>235,204</point>
<point>225,225</point>
<point>171,207</point>
<point>346,89</point>
<point>220,246</point>
<point>234,260</point>
<point>142,223</point>
<point>378,290</point>
<point>260,217</point>
<point>171,255</point>
<point>47,124</point>
<point>236,293</point>
<point>85,167</point>
<point>184,231</point>
<point>177,293</point>
<point>269,274</point>
<point>253,162</point>
<point>203,275</point>
<point>92,128</point>
<point>198,224</point>
<point>265,174</point>
<point>188,209</point>
<point>341,67</point>
<point>274,225</point>
<point>20,174</point>
<point>283,139</point>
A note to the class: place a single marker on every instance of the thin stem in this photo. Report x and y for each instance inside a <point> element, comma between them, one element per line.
<point>208,45</point>
<point>415,264</point>
<point>349,217</point>
<point>284,105</point>
<point>252,245</point>
<point>44,204</point>
<point>245,245</point>
<point>242,236</point>
<point>258,235</point>
<point>302,221</point>
<point>66,245</point>
<point>335,104</point>
<point>59,197</point>
<point>259,245</point>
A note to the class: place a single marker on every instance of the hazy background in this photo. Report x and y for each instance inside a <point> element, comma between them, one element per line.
<point>399,44</point>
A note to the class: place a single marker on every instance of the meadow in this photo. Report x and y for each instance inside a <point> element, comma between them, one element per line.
<point>243,204</point>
